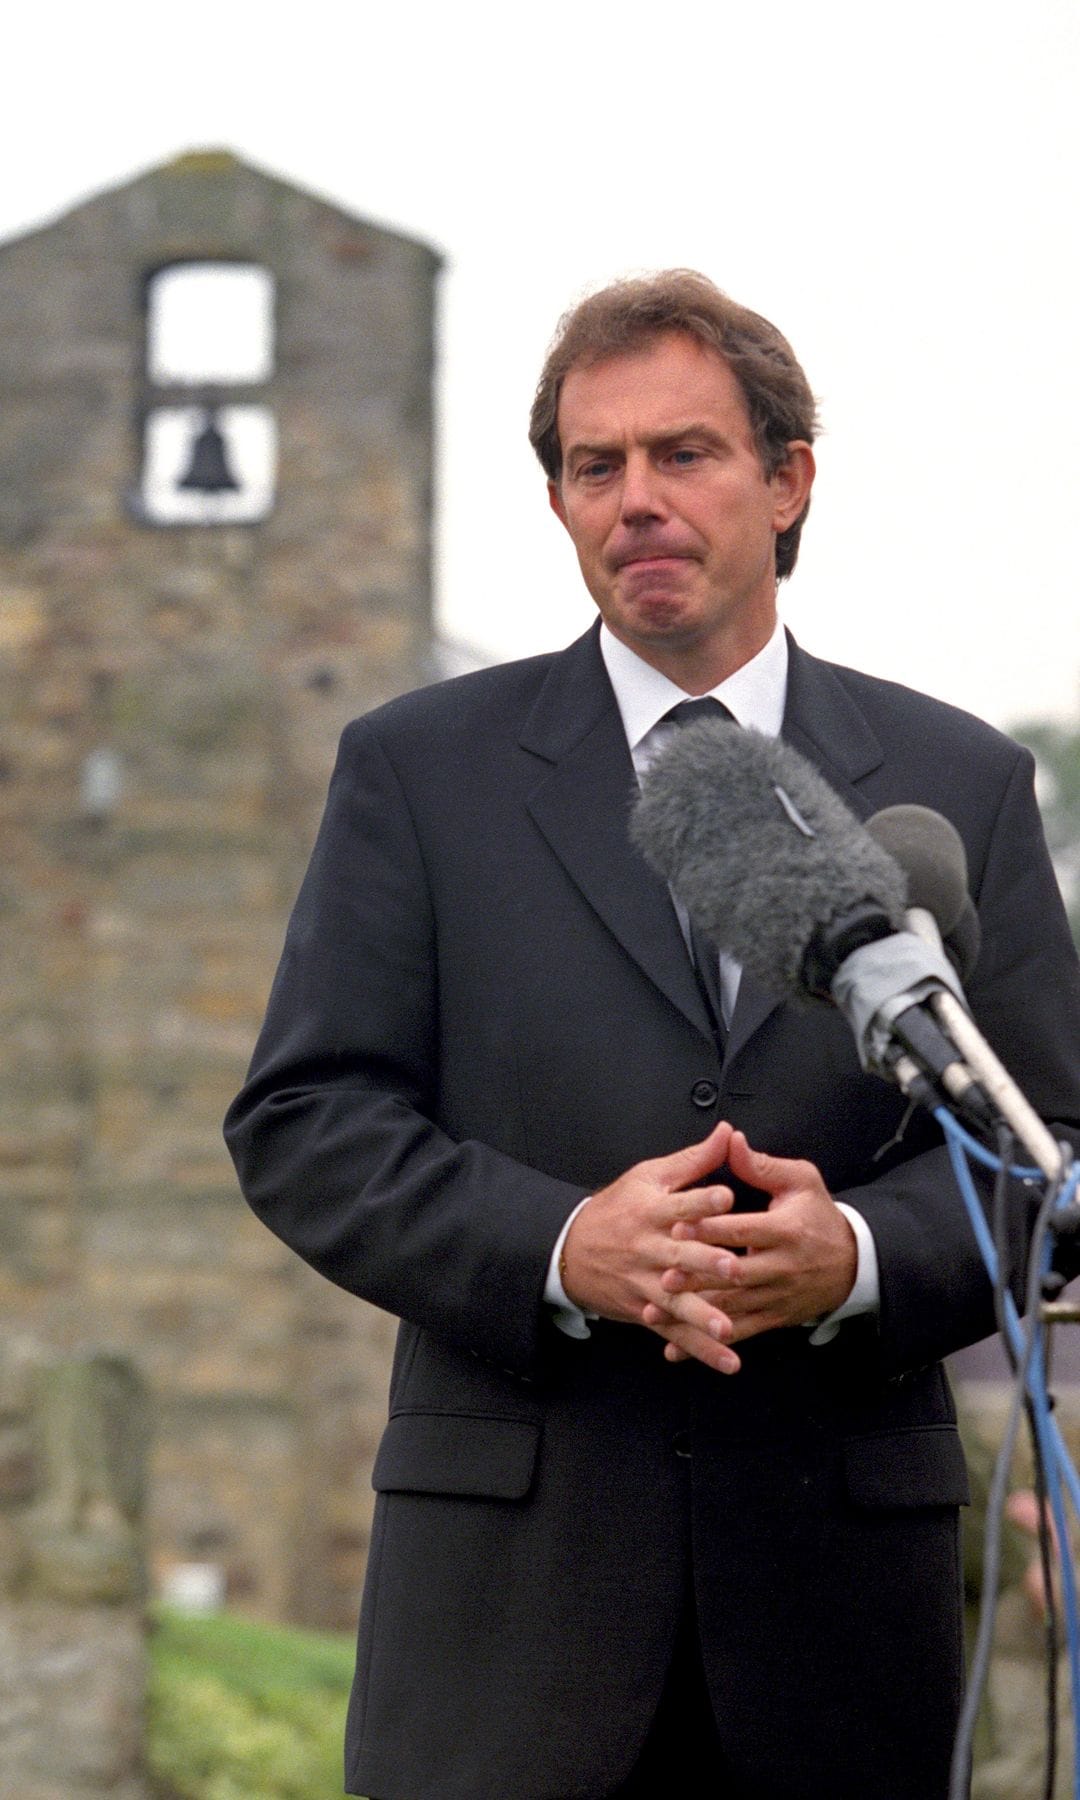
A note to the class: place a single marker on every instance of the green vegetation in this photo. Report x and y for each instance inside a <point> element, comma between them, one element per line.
<point>240,1711</point>
<point>1057,751</point>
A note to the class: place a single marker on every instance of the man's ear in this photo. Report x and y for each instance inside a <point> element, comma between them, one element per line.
<point>791,484</point>
<point>555,502</point>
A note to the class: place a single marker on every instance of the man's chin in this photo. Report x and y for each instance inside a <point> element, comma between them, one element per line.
<point>653,618</point>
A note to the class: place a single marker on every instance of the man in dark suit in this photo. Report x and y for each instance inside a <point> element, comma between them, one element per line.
<point>671,1471</point>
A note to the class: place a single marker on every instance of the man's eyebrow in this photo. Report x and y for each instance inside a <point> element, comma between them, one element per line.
<point>696,428</point>
<point>671,434</point>
<point>587,449</point>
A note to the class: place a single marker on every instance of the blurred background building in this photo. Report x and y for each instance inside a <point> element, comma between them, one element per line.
<point>215,515</point>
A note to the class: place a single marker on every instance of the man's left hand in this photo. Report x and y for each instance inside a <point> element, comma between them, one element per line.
<point>792,1264</point>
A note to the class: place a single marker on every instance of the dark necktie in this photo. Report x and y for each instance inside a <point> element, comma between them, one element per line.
<point>703,953</point>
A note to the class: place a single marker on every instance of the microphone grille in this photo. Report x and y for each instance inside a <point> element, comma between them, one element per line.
<point>931,853</point>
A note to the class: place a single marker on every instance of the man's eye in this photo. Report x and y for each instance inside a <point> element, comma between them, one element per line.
<point>683,457</point>
<point>595,470</point>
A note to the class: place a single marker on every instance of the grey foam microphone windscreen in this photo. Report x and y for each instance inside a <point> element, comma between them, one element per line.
<point>758,848</point>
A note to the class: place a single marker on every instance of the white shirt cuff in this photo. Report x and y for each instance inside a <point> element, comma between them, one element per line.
<point>865,1296</point>
<point>568,1317</point>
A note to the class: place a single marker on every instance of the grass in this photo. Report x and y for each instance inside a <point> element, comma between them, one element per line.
<point>240,1711</point>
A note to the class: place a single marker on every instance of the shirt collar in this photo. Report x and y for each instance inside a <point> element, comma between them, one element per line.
<point>755,694</point>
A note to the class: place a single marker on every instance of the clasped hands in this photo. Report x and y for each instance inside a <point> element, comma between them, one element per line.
<point>653,1249</point>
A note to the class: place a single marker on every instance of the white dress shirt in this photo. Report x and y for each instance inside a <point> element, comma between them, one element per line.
<point>755,695</point>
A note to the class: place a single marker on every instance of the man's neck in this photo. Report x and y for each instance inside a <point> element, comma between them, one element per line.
<point>756,693</point>
<point>698,669</point>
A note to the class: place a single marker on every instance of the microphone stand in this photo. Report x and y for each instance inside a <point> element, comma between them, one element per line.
<point>1058,1215</point>
<point>959,1026</point>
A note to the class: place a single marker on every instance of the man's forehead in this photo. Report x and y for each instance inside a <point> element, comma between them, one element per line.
<point>671,343</point>
<point>672,377</point>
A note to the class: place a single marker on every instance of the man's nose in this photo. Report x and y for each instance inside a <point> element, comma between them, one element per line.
<point>642,491</point>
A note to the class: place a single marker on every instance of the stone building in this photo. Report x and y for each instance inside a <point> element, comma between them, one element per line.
<point>72,1578</point>
<point>214,550</point>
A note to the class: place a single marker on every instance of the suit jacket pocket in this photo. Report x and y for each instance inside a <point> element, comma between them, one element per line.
<point>920,1466</point>
<point>457,1453</point>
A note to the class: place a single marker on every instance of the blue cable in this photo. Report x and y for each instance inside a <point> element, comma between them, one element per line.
<point>1055,1458</point>
<point>1052,1448</point>
<point>957,1142</point>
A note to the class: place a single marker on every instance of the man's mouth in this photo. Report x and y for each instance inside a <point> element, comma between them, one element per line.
<point>651,558</point>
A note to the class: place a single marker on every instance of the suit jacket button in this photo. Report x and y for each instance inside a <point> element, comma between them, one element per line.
<point>704,1094</point>
<point>680,1443</point>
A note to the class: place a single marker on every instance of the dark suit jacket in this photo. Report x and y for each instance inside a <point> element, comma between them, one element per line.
<point>484,1011</point>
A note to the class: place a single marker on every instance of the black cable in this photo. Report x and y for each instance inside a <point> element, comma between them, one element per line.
<point>995,1510</point>
<point>1045,1537</point>
<point>1050,1621</point>
<point>1005,1146</point>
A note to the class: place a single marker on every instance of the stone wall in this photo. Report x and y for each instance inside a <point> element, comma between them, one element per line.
<point>73,1439</point>
<point>208,670</point>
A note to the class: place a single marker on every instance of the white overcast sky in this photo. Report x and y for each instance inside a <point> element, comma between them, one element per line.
<point>898,188</point>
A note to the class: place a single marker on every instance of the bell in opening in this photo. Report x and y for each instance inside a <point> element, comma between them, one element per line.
<point>209,471</point>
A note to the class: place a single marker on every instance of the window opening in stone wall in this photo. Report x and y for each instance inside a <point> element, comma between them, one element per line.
<point>209,439</point>
<point>210,322</point>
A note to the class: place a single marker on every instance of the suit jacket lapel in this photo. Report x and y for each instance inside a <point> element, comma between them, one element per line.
<point>582,804</point>
<point>825,725</point>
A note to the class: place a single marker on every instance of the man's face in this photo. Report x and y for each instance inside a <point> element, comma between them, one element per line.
<point>672,515</point>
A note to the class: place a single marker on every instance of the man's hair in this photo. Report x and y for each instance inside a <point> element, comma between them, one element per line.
<point>630,315</point>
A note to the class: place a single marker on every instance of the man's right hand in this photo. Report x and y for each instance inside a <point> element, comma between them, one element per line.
<point>621,1243</point>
